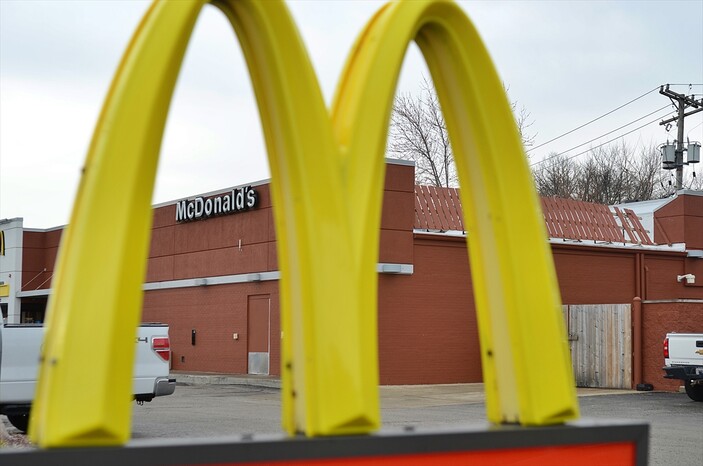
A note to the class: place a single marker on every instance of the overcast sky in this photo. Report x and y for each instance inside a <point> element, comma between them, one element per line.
<point>566,62</point>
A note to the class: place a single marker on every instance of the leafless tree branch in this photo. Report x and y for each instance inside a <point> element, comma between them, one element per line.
<point>418,132</point>
<point>609,175</point>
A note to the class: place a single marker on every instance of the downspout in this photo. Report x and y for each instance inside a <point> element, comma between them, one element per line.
<point>636,342</point>
<point>637,322</point>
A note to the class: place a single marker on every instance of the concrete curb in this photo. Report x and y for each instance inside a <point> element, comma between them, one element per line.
<point>418,390</point>
<point>220,379</point>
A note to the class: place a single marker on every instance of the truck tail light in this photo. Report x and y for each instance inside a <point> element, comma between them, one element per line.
<point>666,348</point>
<point>162,347</point>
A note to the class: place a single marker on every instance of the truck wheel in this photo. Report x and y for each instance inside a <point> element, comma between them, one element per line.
<point>20,421</point>
<point>694,392</point>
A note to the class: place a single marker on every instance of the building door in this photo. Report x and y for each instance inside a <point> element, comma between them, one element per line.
<point>600,337</point>
<point>258,331</point>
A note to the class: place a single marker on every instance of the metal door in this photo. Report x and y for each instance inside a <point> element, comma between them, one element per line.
<point>258,332</point>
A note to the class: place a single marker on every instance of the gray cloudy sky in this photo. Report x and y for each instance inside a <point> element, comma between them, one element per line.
<point>566,62</point>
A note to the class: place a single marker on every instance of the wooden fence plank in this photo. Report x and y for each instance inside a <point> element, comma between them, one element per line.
<point>601,344</point>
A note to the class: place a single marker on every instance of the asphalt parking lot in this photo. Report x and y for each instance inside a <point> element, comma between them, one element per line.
<point>210,410</point>
<point>201,411</point>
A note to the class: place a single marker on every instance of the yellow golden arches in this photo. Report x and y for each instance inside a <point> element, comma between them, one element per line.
<point>329,356</point>
<point>327,187</point>
<point>518,303</point>
<point>83,397</point>
<point>97,293</point>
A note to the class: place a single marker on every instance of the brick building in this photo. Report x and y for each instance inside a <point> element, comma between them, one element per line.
<point>213,277</point>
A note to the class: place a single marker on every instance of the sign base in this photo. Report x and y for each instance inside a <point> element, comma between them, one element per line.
<point>584,442</point>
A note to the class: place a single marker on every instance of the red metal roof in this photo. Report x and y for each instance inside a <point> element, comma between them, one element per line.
<point>440,209</point>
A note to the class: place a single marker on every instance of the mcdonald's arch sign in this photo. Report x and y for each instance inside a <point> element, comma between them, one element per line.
<point>327,173</point>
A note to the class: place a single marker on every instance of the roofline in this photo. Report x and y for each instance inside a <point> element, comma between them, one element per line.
<point>679,248</point>
<point>690,192</point>
<point>265,181</point>
<point>666,200</point>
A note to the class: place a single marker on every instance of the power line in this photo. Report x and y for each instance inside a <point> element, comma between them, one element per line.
<point>616,129</point>
<point>691,130</point>
<point>606,134</point>
<point>601,145</point>
<point>595,119</point>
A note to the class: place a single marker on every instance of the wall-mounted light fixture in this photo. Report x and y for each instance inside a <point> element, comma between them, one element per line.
<point>689,277</point>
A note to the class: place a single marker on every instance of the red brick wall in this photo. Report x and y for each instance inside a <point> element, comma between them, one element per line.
<point>39,250</point>
<point>211,247</point>
<point>661,272</point>
<point>614,273</point>
<point>398,215</point>
<point>581,270</point>
<point>427,322</point>
<point>681,221</point>
<point>693,228</point>
<point>216,313</point>
<point>658,319</point>
<point>33,254</point>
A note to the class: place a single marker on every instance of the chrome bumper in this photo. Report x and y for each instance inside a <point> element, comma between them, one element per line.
<point>164,387</point>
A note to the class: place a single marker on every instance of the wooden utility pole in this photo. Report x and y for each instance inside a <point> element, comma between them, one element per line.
<point>682,102</point>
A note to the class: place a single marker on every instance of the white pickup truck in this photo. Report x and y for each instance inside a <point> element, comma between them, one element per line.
<point>683,360</point>
<point>19,363</point>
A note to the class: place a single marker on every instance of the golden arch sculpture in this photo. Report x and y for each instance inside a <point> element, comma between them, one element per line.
<point>327,183</point>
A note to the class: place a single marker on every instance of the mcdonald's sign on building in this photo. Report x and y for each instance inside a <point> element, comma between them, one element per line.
<point>326,192</point>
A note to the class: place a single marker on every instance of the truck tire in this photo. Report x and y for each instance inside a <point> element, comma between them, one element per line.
<point>20,421</point>
<point>694,391</point>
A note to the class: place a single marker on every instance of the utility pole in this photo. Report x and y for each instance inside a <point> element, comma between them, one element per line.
<point>682,102</point>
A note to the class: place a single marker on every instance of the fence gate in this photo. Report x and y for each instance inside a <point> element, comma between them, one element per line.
<point>600,338</point>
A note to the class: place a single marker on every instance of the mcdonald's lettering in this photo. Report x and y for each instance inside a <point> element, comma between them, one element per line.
<point>200,208</point>
<point>327,172</point>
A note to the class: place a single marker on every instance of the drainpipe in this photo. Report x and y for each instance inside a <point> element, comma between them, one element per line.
<point>636,341</point>
<point>636,317</point>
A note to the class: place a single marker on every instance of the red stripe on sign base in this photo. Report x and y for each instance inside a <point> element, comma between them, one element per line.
<point>573,455</point>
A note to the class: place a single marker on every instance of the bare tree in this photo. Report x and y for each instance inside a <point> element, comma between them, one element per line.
<point>603,178</point>
<point>609,175</point>
<point>647,175</point>
<point>418,133</point>
<point>523,120</point>
<point>557,177</point>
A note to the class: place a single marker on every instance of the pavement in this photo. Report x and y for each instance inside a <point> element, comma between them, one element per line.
<point>208,378</point>
<point>404,395</point>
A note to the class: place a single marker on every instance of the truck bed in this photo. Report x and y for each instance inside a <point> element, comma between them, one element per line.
<point>19,362</point>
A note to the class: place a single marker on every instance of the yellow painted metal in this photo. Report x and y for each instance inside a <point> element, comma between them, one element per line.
<point>4,291</point>
<point>517,295</point>
<point>328,279</point>
<point>327,184</point>
<point>83,397</point>
<point>84,391</point>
